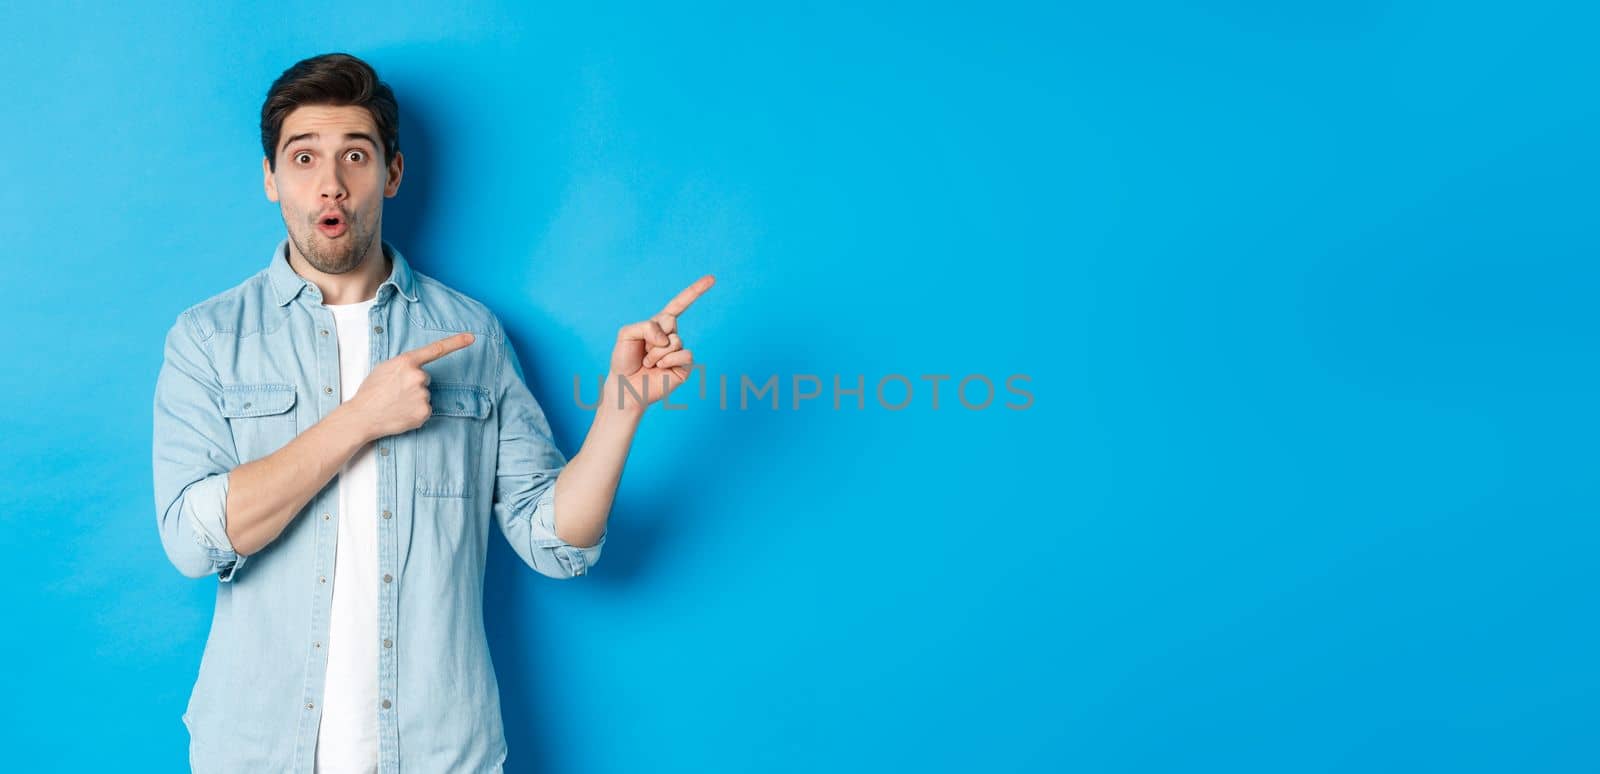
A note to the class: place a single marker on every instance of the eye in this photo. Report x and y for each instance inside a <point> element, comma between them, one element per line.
<point>302,155</point>
<point>357,156</point>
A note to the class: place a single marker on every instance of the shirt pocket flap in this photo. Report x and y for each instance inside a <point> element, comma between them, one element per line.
<point>256,400</point>
<point>459,400</point>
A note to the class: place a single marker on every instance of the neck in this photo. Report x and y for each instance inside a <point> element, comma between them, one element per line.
<point>354,286</point>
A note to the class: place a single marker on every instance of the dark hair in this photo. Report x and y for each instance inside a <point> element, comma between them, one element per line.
<point>335,80</point>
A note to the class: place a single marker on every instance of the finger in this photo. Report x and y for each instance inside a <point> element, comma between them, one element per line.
<point>679,359</point>
<point>673,345</point>
<point>438,349</point>
<point>656,354</point>
<point>682,301</point>
<point>648,331</point>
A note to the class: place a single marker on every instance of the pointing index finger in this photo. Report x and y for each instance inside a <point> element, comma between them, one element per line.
<point>438,349</point>
<point>682,301</point>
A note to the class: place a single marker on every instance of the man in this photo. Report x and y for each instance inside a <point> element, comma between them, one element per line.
<point>332,437</point>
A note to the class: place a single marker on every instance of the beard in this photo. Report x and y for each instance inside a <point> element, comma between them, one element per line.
<point>332,256</point>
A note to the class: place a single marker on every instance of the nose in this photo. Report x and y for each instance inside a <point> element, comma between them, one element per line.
<point>331,186</point>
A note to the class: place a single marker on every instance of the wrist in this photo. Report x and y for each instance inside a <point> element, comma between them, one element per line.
<point>350,423</point>
<point>619,402</point>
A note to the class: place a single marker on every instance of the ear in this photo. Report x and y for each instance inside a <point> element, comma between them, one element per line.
<point>397,167</point>
<point>267,181</point>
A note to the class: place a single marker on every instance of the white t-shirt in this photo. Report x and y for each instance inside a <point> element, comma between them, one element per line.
<point>347,740</point>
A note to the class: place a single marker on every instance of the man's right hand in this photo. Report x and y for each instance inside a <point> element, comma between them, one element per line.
<point>265,494</point>
<point>394,397</point>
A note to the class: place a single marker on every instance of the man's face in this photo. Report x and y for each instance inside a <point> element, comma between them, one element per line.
<point>330,182</point>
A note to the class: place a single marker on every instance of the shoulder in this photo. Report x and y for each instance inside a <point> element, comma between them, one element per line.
<point>443,308</point>
<point>245,308</point>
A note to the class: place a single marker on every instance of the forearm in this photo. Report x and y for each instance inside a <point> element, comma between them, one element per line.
<point>587,486</point>
<point>265,494</point>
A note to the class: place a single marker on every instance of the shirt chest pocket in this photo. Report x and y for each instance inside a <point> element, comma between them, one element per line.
<point>448,445</point>
<point>261,417</point>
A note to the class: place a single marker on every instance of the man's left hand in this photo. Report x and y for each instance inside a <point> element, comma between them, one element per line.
<point>650,355</point>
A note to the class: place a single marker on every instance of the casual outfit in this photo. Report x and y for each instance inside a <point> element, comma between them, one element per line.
<point>373,593</point>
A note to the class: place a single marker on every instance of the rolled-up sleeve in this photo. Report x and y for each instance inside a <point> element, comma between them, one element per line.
<point>192,456</point>
<point>526,466</point>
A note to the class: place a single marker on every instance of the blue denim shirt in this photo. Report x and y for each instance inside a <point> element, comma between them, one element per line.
<point>246,371</point>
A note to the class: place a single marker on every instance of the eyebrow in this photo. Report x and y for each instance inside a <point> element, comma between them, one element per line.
<point>347,136</point>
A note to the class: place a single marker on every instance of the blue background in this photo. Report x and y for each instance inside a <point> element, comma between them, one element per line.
<point>1306,294</point>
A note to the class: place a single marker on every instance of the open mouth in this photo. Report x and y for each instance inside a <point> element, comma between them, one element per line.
<point>332,225</point>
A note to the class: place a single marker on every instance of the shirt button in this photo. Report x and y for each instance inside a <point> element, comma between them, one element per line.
<point>377,329</point>
<point>388,643</point>
<point>386,704</point>
<point>383,450</point>
<point>328,390</point>
<point>387,578</point>
<point>322,579</point>
<point>326,516</point>
<point>324,331</point>
<point>310,705</point>
<point>247,404</point>
<point>386,514</point>
<point>316,644</point>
